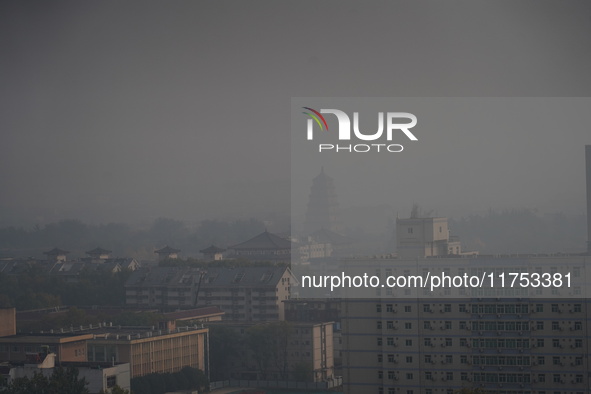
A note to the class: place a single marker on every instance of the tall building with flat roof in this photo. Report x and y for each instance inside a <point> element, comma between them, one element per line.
<point>501,342</point>
<point>588,173</point>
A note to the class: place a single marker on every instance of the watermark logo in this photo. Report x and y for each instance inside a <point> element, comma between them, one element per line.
<point>396,123</point>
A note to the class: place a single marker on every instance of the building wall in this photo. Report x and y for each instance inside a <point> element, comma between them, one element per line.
<point>411,346</point>
<point>422,237</point>
<point>153,352</point>
<point>7,322</point>
<point>71,348</point>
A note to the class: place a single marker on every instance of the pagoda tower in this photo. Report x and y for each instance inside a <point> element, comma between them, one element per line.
<point>323,207</point>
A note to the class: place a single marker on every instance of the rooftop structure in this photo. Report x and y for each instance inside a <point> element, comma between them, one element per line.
<point>56,254</point>
<point>167,253</point>
<point>213,253</point>
<point>265,247</point>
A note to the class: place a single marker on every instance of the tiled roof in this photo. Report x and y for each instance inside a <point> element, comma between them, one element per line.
<point>265,240</point>
<point>56,252</point>
<point>194,313</point>
<point>213,276</point>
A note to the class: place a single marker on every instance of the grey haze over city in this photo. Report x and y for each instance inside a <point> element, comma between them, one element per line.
<point>130,111</point>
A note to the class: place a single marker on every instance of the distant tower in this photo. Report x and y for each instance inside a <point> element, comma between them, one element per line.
<point>588,171</point>
<point>322,205</point>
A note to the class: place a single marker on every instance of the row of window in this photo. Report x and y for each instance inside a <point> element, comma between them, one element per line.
<point>495,308</point>
<point>392,390</point>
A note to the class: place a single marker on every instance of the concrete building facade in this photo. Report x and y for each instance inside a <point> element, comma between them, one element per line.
<point>505,345</point>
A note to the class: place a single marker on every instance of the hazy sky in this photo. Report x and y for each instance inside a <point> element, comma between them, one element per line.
<point>127,111</point>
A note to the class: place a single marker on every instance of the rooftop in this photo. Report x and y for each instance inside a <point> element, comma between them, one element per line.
<point>265,240</point>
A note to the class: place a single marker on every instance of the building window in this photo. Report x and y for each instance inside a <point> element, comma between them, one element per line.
<point>408,342</point>
<point>447,308</point>
<point>378,308</point>
<point>555,325</point>
<point>578,325</point>
<point>462,307</point>
<point>555,360</point>
<point>449,375</point>
<point>409,359</point>
<point>427,341</point>
<point>579,379</point>
<point>390,325</point>
<point>409,230</point>
<point>409,376</point>
<point>540,325</point>
<point>448,342</point>
<point>540,342</point>
<point>379,324</point>
<point>427,358</point>
<point>578,343</point>
<point>389,308</point>
<point>539,307</point>
<point>426,324</point>
<point>448,358</point>
<point>380,358</point>
<point>379,341</point>
<point>541,360</point>
<point>111,381</point>
<point>577,308</point>
<point>390,341</point>
<point>463,359</point>
<point>408,308</point>
<point>556,378</point>
<point>428,375</point>
<point>554,307</point>
<point>426,308</point>
<point>390,374</point>
<point>380,374</point>
<point>390,358</point>
<point>447,325</point>
<point>408,326</point>
<point>541,378</point>
<point>555,343</point>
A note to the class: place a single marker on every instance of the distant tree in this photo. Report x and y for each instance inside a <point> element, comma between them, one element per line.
<point>224,345</point>
<point>302,371</point>
<point>159,383</point>
<point>61,381</point>
<point>115,390</point>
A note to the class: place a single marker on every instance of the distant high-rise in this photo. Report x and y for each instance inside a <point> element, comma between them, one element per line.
<point>322,205</point>
<point>588,171</point>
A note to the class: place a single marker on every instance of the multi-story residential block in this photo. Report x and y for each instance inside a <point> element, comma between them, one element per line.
<point>504,343</point>
<point>253,293</point>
